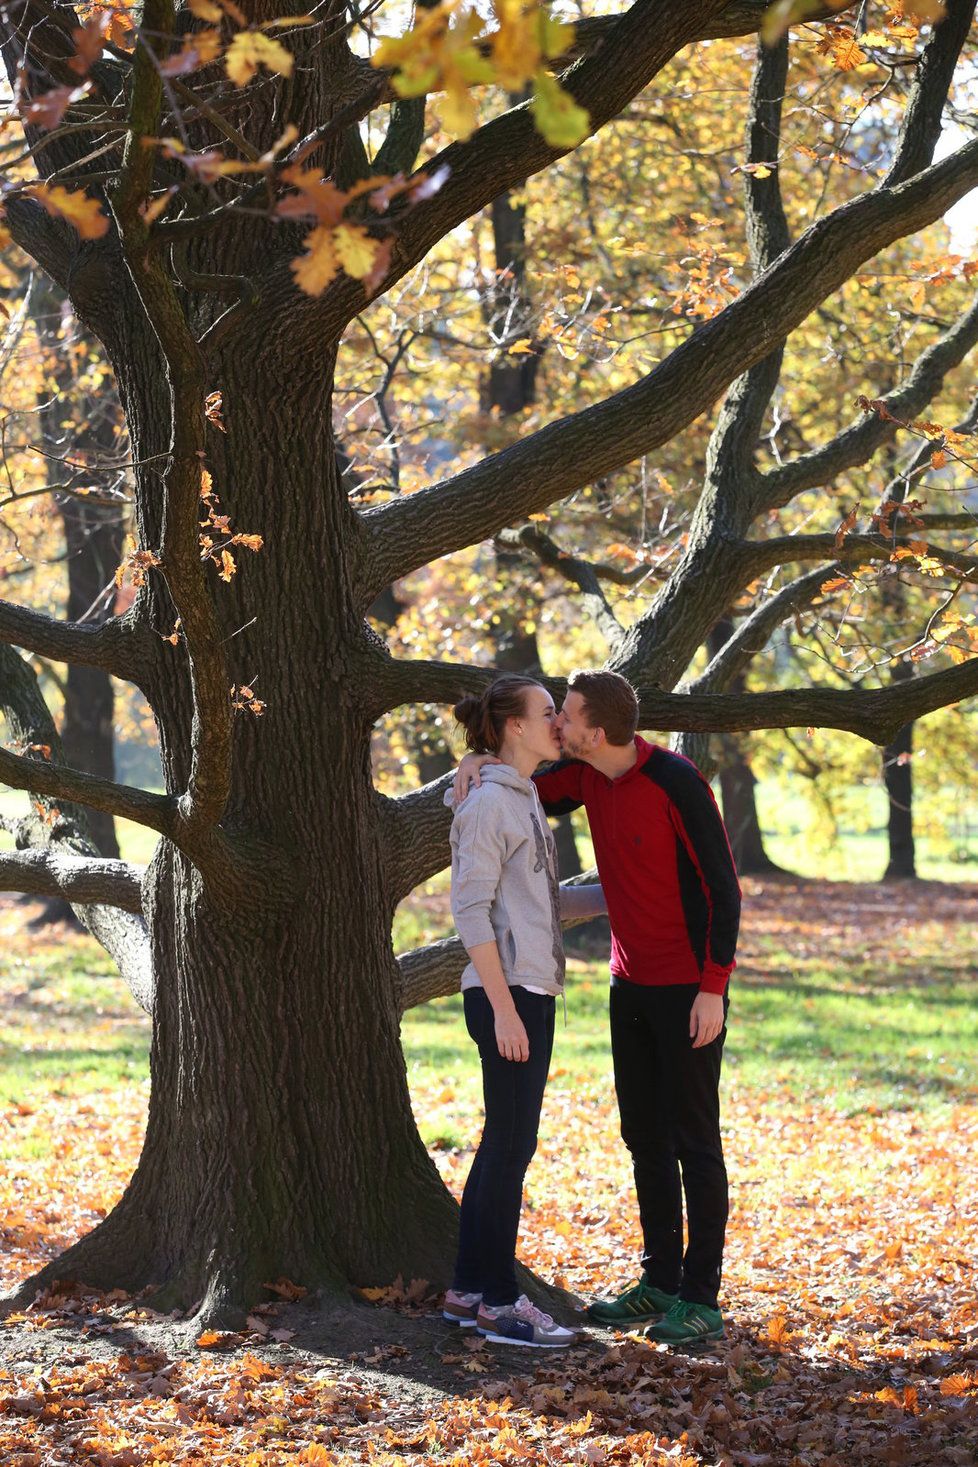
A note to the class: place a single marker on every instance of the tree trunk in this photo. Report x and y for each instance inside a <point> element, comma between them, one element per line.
<point>281,1139</point>
<point>898,778</point>
<point>740,812</point>
<point>737,784</point>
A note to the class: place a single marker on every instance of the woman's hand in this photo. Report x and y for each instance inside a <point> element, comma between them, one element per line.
<point>511,1036</point>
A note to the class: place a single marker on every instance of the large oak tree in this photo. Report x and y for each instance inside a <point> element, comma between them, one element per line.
<point>280,1137</point>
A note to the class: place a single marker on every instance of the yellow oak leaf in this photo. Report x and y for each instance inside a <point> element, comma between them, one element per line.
<point>251,49</point>
<point>355,248</point>
<point>315,269</point>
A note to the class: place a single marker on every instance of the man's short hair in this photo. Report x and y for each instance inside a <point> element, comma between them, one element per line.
<point>610,702</point>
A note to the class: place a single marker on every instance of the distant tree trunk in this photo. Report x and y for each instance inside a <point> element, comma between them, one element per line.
<point>93,543</point>
<point>737,784</point>
<point>898,778</point>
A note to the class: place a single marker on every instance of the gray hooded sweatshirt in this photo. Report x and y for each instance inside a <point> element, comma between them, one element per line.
<point>504,881</point>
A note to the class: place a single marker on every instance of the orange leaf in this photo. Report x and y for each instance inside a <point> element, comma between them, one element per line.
<point>315,269</point>
<point>74,205</point>
<point>89,40</point>
<point>847,524</point>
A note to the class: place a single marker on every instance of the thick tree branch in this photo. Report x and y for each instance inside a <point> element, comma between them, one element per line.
<point>856,444</point>
<point>114,645</point>
<point>415,835</point>
<point>203,803</point>
<point>431,972</point>
<point>82,879</point>
<point>730,471</point>
<point>159,812</point>
<point>874,714</point>
<point>551,463</point>
<point>761,555</point>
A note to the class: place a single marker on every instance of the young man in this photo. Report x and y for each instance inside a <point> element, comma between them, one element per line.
<point>674,905</point>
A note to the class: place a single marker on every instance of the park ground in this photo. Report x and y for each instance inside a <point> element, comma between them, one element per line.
<point>851,1126</point>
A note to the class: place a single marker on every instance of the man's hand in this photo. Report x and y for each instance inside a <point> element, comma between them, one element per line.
<point>511,1036</point>
<point>467,773</point>
<point>705,1018</point>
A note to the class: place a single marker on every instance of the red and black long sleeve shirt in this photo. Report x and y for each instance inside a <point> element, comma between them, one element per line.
<point>665,864</point>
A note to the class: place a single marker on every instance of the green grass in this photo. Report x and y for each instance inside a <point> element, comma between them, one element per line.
<point>816,1037</point>
<point>846,1018</point>
<point>867,1026</point>
<point>68,1025</point>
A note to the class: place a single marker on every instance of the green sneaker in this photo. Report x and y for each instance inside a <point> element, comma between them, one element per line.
<point>636,1305</point>
<point>685,1323</point>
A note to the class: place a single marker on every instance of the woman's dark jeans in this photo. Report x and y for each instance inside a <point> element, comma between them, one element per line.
<point>493,1195</point>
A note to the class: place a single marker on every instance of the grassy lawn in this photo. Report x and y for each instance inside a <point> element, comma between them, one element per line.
<point>845,1003</point>
<point>856,997</point>
<point>69,1027</point>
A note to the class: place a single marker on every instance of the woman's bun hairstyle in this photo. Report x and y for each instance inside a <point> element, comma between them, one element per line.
<point>482,716</point>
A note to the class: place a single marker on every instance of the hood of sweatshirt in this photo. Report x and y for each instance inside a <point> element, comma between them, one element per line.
<point>496,774</point>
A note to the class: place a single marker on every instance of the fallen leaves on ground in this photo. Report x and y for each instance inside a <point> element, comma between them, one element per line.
<point>849,1293</point>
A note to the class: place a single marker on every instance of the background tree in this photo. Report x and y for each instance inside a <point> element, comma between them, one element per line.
<point>280,1137</point>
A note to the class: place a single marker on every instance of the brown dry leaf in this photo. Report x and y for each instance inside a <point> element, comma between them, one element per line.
<point>47,110</point>
<point>213,405</point>
<point>846,526</point>
<point>286,1289</point>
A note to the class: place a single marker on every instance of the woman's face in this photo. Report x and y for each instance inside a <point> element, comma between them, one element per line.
<point>536,728</point>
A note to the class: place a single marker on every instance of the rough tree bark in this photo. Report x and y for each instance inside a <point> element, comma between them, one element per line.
<point>280,1136</point>
<point>737,782</point>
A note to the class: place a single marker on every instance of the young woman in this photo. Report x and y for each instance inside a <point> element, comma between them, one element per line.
<point>507,908</point>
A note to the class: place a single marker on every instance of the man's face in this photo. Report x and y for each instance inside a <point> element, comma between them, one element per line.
<point>578,739</point>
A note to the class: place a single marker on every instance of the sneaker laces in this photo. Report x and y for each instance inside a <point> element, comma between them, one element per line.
<point>530,1314</point>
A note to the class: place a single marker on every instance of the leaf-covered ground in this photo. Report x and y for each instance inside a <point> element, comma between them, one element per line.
<point>851,1119</point>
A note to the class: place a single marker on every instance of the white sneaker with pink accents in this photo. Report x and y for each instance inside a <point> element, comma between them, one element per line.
<point>523,1323</point>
